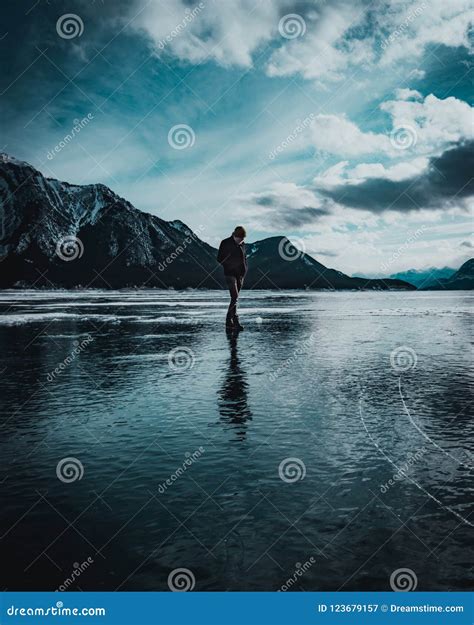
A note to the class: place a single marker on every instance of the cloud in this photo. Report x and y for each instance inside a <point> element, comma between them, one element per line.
<point>422,184</point>
<point>417,74</point>
<point>338,135</point>
<point>233,34</point>
<point>328,253</point>
<point>325,50</point>
<point>446,182</point>
<point>284,205</point>
<point>429,125</point>
<point>407,29</point>
<point>436,122</point>
<point>340,174</point>
<point>223,32</point>
<point>408,94</point>
<point>335,36</point>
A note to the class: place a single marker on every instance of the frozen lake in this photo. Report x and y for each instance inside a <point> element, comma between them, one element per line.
<point>330,443</point>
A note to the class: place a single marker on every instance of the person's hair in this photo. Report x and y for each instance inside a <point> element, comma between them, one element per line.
<point>239,231</point>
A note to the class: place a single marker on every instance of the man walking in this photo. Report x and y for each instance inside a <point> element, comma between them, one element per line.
<point>232,257</point>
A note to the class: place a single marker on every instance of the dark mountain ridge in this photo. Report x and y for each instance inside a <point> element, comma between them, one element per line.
<point>56,234</point>
<point>276,261</point>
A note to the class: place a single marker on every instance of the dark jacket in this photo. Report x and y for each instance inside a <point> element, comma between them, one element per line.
<point>232,257</point>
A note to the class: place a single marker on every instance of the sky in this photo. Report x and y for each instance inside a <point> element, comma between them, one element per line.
<point>345,125</point>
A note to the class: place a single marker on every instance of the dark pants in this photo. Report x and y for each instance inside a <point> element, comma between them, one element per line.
<point>234,284</point>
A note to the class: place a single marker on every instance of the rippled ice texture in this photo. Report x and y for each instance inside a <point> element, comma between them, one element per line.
<point>291,433</point>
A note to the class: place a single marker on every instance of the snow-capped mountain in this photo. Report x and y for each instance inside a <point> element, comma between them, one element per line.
<point>56,234</point>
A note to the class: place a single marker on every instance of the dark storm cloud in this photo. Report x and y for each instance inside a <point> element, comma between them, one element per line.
<point>302,216</point>
<point>291,217</point>
<point>446,182</point>
<point>327,253</point>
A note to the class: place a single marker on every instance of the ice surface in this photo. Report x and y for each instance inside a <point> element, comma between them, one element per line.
<point>311,377</point>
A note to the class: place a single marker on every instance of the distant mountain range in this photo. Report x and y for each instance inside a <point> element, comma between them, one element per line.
<point>462,279</point>
<point>422,277</point>
<point>56,234</point>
